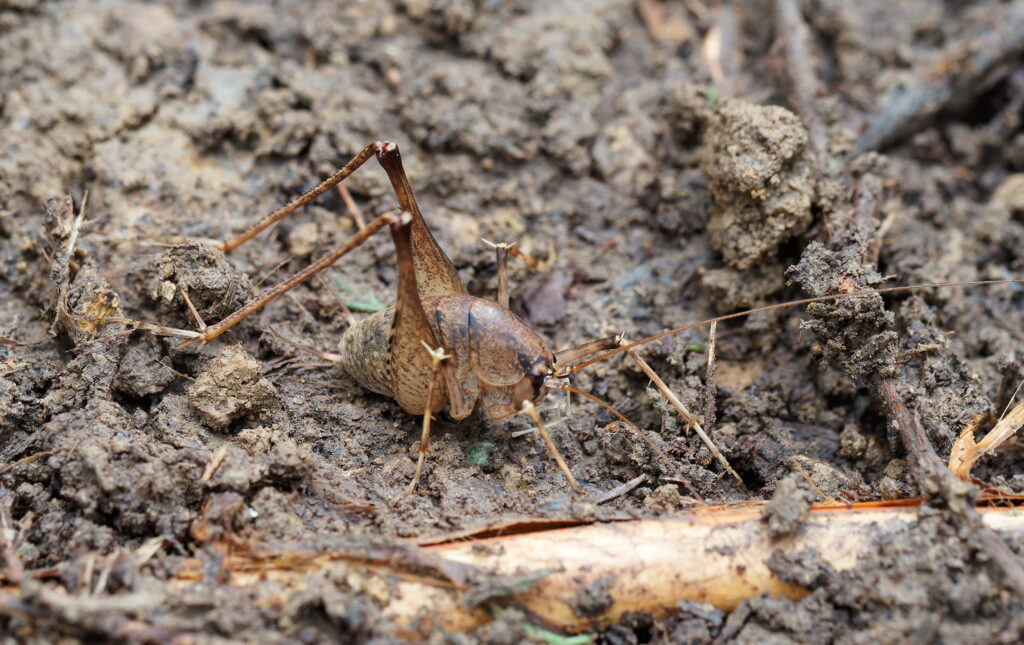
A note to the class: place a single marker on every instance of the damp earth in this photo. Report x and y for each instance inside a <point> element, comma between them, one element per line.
<point>659,181</point>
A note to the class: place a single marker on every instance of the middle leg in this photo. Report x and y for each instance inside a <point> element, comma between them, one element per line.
<point>438,357</point>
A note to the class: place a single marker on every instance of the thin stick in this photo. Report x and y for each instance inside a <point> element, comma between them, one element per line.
<point>214,463</point>
<point>791,30</point>
<point>270,272</point>
<point>85,580</point>
<point>353,208</point>
<point>76,225</point>
<point>101,581</point>
<point>966,452</point>
<point>683,412</point>
<point>200,324</point>
<point>1010,402</point>
<point>26,460</point>
<point>15,570</point>
<point>621,489</point>
<point>327,356</point>
<point>710,387</point>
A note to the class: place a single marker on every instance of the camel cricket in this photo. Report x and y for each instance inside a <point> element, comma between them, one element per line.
<point>437,347</point>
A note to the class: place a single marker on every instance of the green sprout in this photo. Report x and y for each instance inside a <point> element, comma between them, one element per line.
<point>557,639</point>
<point>479,452</point>
<point>368,304</point>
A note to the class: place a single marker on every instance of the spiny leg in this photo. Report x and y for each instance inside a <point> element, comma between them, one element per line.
<point>502,251</point>
<point>530,410</point>
<point>213,331</point>
<point>305,198</point>
<point>501,256</point>
<point>680,408</point>
<point>435,273</point>
<point>438,356</point>
<point>353,208</point>
<point>410,370</point>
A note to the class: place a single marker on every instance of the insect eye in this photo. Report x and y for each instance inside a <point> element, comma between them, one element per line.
<point>537,380</point>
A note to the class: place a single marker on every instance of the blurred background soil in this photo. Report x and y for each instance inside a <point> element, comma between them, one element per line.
<point>648,152</point>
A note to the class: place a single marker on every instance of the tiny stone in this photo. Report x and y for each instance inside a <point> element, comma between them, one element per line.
<point>664,499</point>
<point>302,239</point>
<point>231,388</point>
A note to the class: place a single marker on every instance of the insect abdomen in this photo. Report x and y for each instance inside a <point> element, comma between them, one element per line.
<point>364,351</point>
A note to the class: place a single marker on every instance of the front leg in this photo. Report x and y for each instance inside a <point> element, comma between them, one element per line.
<point>687,416</point>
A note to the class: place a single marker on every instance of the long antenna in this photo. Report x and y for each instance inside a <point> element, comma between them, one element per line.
<point>756,310</point>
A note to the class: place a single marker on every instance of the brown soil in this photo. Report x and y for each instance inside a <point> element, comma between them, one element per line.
<point>566,128</point>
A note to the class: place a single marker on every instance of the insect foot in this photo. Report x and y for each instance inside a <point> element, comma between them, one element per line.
<point>530,410</point>
<point>437,356</point>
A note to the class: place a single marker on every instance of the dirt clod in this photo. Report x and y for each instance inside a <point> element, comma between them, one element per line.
<point>232,387</point>
<point>1011,193</point>
<point>760,176</point>
<point>789,506</point>
<point>141,373</point>
<point>664,499</point>
<point>212,284</point>
<point>594,598</point>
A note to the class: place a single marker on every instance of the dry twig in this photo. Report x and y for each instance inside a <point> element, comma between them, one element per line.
<point>791,30</point>
<point>716,555</point>
<point>710,387</point>
<point>966,451</point>
<point>964,69</point>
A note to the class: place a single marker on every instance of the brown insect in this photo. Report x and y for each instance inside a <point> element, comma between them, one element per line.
<point>439,347</point>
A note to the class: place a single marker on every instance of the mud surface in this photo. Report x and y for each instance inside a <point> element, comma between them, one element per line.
<point>659,182</point>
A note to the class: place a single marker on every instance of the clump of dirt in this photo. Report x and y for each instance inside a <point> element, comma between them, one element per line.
<point>760,177</point>
<point>733,289</point>
<point>1011,194</point>
<point>119,484</point>
<point>141,372</point>
<point>593,599</point>
<point>860,322</point>
<point>789,506</point>
<point>201,272</point>
<point>664,499</point>
<point>231,388</point>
